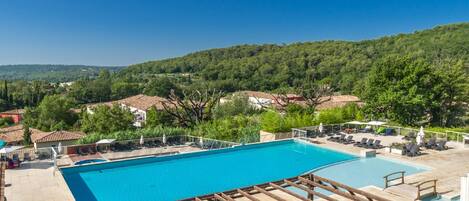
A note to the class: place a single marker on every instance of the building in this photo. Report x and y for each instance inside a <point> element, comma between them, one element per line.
<point>263,100</point>
<point>13,135</point>
<point>16,115</point>
<point>138,105</point>
<point>52,139</point>
<point>260,99</point>
<point>339,101</point>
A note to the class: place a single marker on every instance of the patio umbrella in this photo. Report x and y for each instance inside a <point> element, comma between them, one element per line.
<point>2,143</point>
<point>6,150</point>
<point>105,141</point>
<point>321,127</point>
<point>201,142</point>
<point>141,140</point>
<point>420,136</point>
<point>59,147</point>
<point>164,138</point>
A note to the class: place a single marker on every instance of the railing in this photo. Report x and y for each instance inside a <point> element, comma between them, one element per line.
<point>420,188</point>
<point>313,131</point>
<point>388,180</point>
<point>54,158</point>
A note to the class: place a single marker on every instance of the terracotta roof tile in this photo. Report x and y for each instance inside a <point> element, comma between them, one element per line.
<point>15,133</point>
<point>56,136</point>
<point>143,102</point>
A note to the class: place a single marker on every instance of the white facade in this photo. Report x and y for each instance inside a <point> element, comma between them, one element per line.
<point>140,116</point>
<point>260,103</point>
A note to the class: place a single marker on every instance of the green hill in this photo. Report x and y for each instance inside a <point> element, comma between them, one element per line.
<point>342,63</point>
<point>51,73</point>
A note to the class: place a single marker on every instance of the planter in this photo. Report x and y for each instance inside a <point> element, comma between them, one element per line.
<point>394,150</point>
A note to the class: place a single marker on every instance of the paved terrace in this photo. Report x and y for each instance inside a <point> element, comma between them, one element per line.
<point>447,166</point>
<point>39,181</point>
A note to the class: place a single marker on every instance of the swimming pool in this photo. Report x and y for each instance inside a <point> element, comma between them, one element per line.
<point>187,175</point>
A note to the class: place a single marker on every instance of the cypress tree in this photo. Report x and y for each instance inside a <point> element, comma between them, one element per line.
<point>26,135</point>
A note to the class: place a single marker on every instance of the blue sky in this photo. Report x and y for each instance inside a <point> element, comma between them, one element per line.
<point>113,32</point>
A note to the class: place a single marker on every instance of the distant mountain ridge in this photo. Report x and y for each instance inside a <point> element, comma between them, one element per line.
<point>51,72</point>
<point>342,63</point>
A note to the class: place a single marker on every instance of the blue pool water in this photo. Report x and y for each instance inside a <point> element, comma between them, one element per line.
<point>366,171</point>
<point>187,175</point>
<point>181,176</point>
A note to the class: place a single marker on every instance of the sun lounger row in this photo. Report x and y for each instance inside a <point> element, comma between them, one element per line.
<point>369,143</point>
<point>342,138</point>
<point>85,150</point>
<point>437,145</point>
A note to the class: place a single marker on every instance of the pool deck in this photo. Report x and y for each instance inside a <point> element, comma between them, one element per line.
<point>38,181</point>
<point>446,166</point>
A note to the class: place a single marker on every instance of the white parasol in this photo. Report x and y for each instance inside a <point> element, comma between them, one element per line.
<point>141,140</point>
<point>420,136</point>
<point>59,147</point>
<point>201,142</point>
<point>6,150</point>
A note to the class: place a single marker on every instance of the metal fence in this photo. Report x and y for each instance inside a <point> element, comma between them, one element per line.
<point>30,154</point>
<point>50,154</point>
<point>313,131</point>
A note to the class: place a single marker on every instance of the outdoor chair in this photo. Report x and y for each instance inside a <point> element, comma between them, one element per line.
<point>376,145</point>
<point>333,137</point>
<point>431,144</point>
<point>414,151</point>
<point>91,150</point>
<point>369,143</point>
<point>348,140</point>
<point>83,151</point>
<point>158,143</point>
<point>410,136</point>
<point>361,143</point>
<point>388,132</point>
<point>441,145</point>
<point>407,148</point>
<point>341,138</point>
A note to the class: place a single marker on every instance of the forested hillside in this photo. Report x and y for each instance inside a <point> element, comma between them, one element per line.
<point>51,73</point>
<point>343,64</point>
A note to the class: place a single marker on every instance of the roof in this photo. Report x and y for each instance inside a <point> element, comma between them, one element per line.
<point>56,136</point>
<point>339,101</point>
<point>257,94</point>
<point>143,102</point>
<point>15,133</point>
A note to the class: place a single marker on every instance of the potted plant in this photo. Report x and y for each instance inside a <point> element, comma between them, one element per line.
<point>396,148</point>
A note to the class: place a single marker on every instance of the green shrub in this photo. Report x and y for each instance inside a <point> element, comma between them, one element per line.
<point>272,121</point>
<point>237,105</point>
<point>236,129</point>
<point>134,134</point>
<point>6,121</point>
